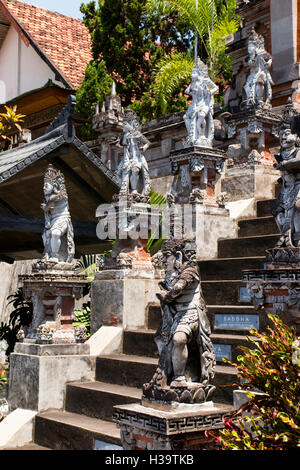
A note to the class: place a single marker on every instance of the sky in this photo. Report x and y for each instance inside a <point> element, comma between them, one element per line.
<point>67,7</point>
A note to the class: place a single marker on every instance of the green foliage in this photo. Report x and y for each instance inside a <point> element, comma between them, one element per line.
<point>212,22</point>
<point>83,318</point>
<point>9,123</point>
<point>19,317</point>
<point>171,75</point>
<point>87,265</point>
<point>157,201</point>
<point>96,85</point>
<point>271,367</point>
<point>3,377</point>
<point>130,39</point>
<point>145,46</point>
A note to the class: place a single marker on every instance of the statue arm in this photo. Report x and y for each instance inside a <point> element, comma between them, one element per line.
<point>183,282</point>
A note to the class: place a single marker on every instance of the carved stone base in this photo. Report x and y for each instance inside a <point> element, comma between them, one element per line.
<point>144,428</point>
<point>53,293</point>
<point>174,394</point>
<point>199,170</point>
<point>276,290</point>
<point>39,374</point>
<point>283,257</point>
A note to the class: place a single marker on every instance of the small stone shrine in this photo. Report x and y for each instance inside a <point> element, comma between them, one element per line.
<point>53,284</point>
<point>51,352</point>
<point>108,123</point>
<point>129,220</point>
<point>276,288</point>
<point>176,409</point>
<point>254,128</point>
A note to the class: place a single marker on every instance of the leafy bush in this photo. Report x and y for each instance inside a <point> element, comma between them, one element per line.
<point>83,318</point>
<point>19,317</point>
<point>3,377</point>
<point>272,367</point>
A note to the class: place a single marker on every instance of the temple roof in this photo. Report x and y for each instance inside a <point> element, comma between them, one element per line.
<point>89,183</point>
<point>62,40</point>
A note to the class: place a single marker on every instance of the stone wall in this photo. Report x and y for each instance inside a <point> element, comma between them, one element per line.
<point>9,283</point>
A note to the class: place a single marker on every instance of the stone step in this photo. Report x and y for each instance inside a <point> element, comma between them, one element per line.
<point>141,343</point>
<point>62,430</point>
<point>246,246</point>
<point>258,318</point>
<point>29,446</point>
<point>222,292</point>
<point>264,207</point>
<point>257,226</point>
<point>154,317</point>
<point>96,399</point>
<point>134,371</point>
<point>228,268</point>
<point>128,370</point>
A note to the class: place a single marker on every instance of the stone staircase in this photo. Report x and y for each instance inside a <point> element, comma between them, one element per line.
<point>119,377</point>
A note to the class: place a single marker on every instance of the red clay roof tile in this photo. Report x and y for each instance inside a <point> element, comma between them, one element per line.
<point>63,39</point>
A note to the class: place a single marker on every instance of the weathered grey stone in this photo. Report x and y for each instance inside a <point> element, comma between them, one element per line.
<point>121,301</point>
<point>199,116</point>
<point>52,349</point>
<point>38,382</point>
<point>186,363</point>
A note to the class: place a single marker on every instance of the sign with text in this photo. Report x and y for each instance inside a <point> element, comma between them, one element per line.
<point>222,350</point>
<point>241,321</point>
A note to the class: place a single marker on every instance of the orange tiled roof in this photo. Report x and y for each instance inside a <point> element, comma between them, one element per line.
<point>63,39</point>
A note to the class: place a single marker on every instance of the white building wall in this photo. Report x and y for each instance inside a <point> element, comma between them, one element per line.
<point>21,68</point>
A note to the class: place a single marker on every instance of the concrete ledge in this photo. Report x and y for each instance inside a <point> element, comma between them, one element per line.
<point>39,382</point>
<point>107,340</point>
<point>16,429</point>
<point>52,349</point>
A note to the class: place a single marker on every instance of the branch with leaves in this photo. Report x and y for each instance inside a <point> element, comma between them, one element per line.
<point>9,124</point>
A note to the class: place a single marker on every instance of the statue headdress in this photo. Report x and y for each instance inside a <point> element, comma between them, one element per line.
<point>56,178</point>
<point>257,40</point>
<point>288,115</point>
<point>200,67</point>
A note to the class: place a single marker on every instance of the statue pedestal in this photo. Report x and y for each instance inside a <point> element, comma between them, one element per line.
<point>128,281</point>
<point>276,289</point>
<point>39,374</point>
<point>121,297</point>
<point>249,170</point>
<point>182,428</point>
<point>197,168</point>
<point>53,293</point>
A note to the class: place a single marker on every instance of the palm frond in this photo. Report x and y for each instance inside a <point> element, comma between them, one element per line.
<point>171,74</point>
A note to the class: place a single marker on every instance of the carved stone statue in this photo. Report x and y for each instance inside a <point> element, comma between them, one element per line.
<point>58,236</point>
<point>199,116</point>
<point>258,87</point>
<point>186,354</point>
<point>287,208</point>
<point>133,172</point>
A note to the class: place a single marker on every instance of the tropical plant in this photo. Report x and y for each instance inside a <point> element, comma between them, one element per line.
<point>212,22</point>
<point>9,123</point>
<point>19,317</point>
<point>3,377</point>
<point>83,318</point>
<point>95,87</point>
<point>272,367</point>
<point>157,201</point>
<point>87,265</point>
<point>130,40</point>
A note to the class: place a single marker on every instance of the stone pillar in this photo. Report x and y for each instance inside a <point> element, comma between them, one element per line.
<point>284,18</point>
<point>276,288</point>
<point>197,183</point>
